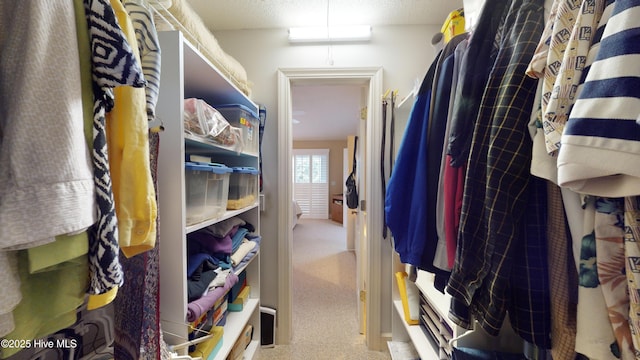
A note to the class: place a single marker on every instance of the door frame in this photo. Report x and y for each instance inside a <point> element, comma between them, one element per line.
<point>374,205</point>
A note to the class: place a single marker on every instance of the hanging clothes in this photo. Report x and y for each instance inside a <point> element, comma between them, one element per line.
<point>122,68</point>
<point>632,257</point>
<point>559,62</point>
<point>474,71</point>
<point>127,131</point>
<point>475,65</point>
<point>52,292</point>
<point>569,69</point>
<point>497,180</point>
<point>563,278</point>
<point>591,143</point>
<point>436,134</point>
<point>561,72</point>
<point>608,234</point>
<point>137,311</point>
<point>433,123</point>
<point>602,137</point>
<point>49,179</point>
<point>547,61</point>
<point>594,334</point>
<point>595,341</point>
<point>407,189</point>
<point>450,185</point>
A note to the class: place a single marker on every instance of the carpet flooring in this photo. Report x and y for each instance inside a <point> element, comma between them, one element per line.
<point>325,323</point>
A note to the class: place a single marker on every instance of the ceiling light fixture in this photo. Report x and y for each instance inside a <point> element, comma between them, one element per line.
<point>330,34</point>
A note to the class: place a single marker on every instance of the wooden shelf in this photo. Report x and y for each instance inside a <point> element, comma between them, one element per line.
<point>336,207</point>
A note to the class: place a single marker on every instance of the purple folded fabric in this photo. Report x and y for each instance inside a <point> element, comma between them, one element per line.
<point>201,241</point>
<point>196,308</point>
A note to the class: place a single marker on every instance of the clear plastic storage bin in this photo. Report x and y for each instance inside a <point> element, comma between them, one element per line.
<point>242,117</point>
<point>207,189</point>
<point>243,187</point>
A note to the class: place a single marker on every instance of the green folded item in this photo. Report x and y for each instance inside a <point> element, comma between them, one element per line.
<point>65,248</point>
<point>50,300</point>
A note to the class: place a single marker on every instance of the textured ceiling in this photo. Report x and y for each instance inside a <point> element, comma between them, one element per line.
<point>326,112</point>
<point>266,14</point>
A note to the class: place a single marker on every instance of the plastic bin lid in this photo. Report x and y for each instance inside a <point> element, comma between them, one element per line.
<point>236,106</point>
<point>245,170</point>
<point>211,167</point>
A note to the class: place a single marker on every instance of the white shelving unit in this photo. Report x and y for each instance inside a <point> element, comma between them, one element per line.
<point>187,74</point>
<point>440,334</point>
<point>412,334</point>
<point>434,309</point>
<point>426,346</point>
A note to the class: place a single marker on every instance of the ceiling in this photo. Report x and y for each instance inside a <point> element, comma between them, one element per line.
<point>323,111</point>
<point>269,14</point>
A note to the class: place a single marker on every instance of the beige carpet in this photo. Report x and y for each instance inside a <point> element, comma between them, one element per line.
<point>325,324</point>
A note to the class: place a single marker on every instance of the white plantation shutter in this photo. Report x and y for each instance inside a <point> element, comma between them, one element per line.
<point>311,182</point>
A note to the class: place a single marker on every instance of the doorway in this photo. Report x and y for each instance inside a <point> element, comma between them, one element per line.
<point>371,206</point>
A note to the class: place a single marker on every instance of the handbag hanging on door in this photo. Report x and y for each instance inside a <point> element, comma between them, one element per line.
<point>352,192</point>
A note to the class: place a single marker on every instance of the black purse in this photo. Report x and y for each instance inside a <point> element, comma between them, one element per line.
<point>352,191</point>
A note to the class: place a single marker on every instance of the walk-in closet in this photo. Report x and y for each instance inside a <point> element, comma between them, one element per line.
<point>487,184</point>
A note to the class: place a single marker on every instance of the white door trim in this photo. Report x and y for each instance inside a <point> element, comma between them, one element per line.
<point>374,204</point>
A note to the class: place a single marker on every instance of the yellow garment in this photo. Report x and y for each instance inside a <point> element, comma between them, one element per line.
<point>100,300</point>
<point>453,25</point>
<point>128,144</point>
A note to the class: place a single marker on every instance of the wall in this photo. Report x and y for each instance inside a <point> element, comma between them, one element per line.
<point>336,182</point>
<point>404,53</point>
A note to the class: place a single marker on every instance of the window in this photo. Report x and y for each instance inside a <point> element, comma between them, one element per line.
<point>311,182</point>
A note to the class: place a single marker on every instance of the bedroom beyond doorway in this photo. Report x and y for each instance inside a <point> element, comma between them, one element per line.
<point>325,322</point>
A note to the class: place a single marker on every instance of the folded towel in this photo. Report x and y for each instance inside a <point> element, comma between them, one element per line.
<point>242,251</point>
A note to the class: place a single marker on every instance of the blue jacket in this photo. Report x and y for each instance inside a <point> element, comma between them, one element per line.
<point>406,206</point>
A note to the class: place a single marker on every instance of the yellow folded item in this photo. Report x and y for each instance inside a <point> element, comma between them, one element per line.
<point>235,204</point>
<point>243,296</point>
<point>401,278</point>
<point>241,299</point>
<point>206,348</point>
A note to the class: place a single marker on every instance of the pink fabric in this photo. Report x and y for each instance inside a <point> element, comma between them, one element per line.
<point>453,191</point>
